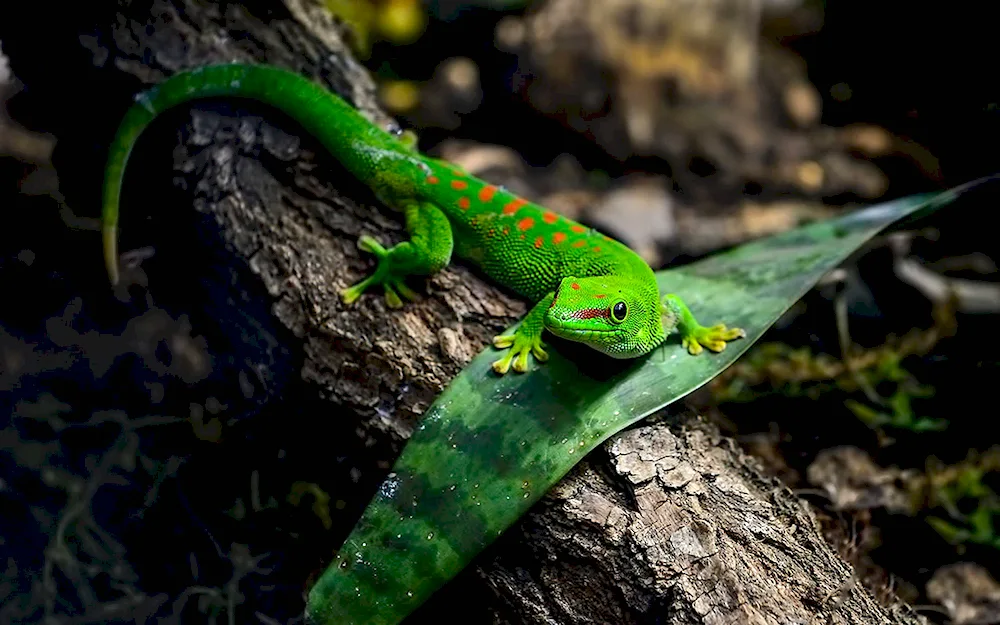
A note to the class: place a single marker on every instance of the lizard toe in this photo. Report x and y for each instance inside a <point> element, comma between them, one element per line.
<point>503,341</point>
<point>692,345</point>
<point>521,360</point>
<point>349,295</point>
<point>405,290</point>
<point>502,366</point>
<point>369,244</point>
<point>392,299</point>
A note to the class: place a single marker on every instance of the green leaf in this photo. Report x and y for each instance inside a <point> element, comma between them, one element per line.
<point>490,446</point>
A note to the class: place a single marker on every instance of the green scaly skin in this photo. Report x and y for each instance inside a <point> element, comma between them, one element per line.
<point>585,286</point>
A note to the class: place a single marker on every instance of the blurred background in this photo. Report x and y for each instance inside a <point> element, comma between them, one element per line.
<point>682,127</point>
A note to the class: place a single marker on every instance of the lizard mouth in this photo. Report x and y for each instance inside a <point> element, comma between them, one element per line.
<point>561,327</point>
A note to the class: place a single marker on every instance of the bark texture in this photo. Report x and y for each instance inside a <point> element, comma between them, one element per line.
<point>676,525</point>
<point>668,523</point>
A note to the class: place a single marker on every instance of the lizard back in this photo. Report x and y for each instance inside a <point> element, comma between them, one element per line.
<point>518,243</point>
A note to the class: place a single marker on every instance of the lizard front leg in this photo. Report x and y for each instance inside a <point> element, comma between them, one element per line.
<point>694,336</point>
<point>427,252</point>
<point>525,340</point>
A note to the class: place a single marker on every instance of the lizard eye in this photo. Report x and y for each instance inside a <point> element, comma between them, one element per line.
<point>619,311</point>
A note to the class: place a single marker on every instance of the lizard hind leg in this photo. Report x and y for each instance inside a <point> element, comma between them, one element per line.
<point>427,252</point>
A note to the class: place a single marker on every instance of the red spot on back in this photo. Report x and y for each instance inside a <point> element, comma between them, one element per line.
<point>597,249</point>
<point>579,243</point>
<point>522,237</point>
<point>512,207</point>
<point>506,230</point>
<point>486,193</point>
<point>600,296</point>
<point>558,237</point>
<point>433,180</point>
<point>458,185</point>
<point>525,223</point>
<point>575,286</point>
<point>538,243</point>
<point>577,228</point>
<point>464,203</point>
<point>549,217</point>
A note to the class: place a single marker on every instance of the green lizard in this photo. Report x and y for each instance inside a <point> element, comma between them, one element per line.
<point>584,285</point>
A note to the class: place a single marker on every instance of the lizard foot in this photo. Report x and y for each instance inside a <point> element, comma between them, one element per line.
<point>521,345</point>
<point>394,285</point>
<point>714,338</point>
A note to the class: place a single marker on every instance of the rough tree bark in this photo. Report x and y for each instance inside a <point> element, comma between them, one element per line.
<point>667,523</point>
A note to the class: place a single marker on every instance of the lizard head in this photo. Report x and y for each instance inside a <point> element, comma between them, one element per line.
<point>618,316</point>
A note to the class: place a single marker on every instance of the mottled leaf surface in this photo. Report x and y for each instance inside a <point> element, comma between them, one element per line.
<point>490,447</point>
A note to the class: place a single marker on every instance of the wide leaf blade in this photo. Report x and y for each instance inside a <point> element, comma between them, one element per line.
<point>490,447</point>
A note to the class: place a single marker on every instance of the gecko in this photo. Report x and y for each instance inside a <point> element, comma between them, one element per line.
<point>584,286</point>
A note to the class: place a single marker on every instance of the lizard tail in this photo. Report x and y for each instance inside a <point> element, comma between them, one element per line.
<point>320,112</point>
<point>135,121</point>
